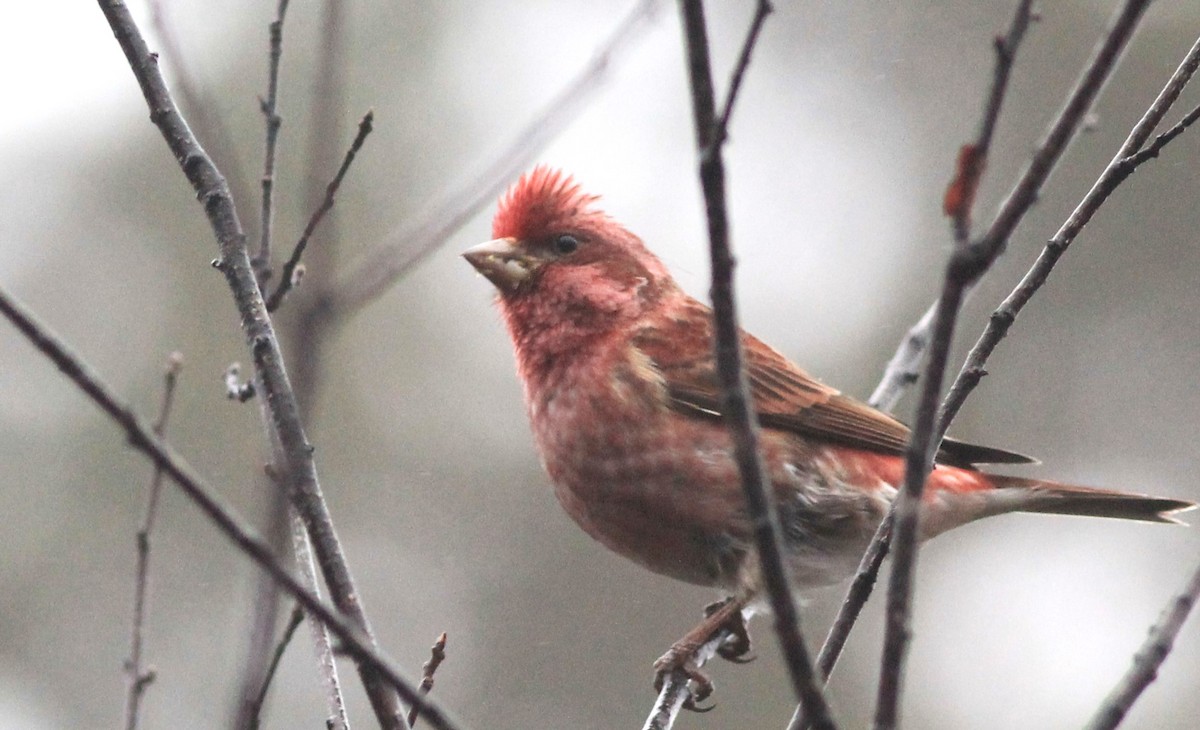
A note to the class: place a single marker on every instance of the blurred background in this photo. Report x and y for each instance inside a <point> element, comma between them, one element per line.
<point>840,149</point>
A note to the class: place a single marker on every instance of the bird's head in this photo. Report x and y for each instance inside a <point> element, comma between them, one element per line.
<point>564,271</point>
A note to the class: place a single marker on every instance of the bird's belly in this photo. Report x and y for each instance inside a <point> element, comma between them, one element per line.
<point>648,487</point>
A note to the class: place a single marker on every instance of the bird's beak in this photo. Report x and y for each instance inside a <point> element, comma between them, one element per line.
<point>502,261</point>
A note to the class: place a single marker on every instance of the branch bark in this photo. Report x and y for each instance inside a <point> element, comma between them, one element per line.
<point>234,262</point>
<point>1148,658</point>
<point>735,399</point>
<point>968,262</point>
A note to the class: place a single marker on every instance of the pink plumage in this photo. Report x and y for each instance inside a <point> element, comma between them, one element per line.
<point>621,390</point>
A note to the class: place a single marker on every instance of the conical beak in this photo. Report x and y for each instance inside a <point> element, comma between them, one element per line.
<point>502,261</point>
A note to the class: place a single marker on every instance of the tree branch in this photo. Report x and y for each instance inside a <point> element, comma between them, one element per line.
<point>1148,659</point>
<point>291,273</point>
<point>139,676</point>
<point>255,710</point>
<point>355,641</point>
<point>735,400</point>
<point>262,259</point>
<point>967,263</point>
<point>1128,158</point>
<point>234,262</point>
<point>437,654</point>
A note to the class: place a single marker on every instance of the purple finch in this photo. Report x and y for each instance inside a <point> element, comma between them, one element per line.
<point>622,393</point>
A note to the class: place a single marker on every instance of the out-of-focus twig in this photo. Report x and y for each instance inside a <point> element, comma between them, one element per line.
<point>411,244</point>
<point>269,106</point>
<point>288,278</point>
<point>968,262</point>
<point>139,676</point>
<point>735,400</point>
<point>141,436</point>
<point>1148,659</point>
<point>281,646</point>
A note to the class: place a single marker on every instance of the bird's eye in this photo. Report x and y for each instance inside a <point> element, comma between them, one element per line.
<point>566,244</point>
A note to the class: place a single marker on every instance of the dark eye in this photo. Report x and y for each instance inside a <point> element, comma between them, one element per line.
<point>566,244</point>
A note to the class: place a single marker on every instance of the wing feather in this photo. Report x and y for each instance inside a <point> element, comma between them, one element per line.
<point>785,397</point>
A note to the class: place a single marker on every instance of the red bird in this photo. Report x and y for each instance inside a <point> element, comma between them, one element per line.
<point>622,393</point>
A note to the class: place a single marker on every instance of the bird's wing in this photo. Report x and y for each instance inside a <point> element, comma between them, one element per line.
<point>785,397</point>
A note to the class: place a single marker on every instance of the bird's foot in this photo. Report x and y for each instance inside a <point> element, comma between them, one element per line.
<point>681,658</point>
<point>736,647</point>
<point>720,618</point>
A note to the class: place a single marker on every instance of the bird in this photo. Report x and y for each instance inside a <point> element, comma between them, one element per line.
<point>620,385</point>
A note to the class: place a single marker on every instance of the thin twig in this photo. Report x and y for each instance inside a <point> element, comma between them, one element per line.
<point>903,369</point>
<point>1148,659</point>
<point>262,259</point>
<point>139,676</point>
<point>213,192</point>
<point>289,277</point>
<point>141,436</point>
<point>761,10</point>
<point>408,246</point>
<point>735,400</point>
<point>1128,158</point>
<point>967,263</point>
<point>437,654</point>
<point>276,656</point>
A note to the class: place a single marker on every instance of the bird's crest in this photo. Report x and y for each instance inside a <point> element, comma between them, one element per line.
<point>540,202</point>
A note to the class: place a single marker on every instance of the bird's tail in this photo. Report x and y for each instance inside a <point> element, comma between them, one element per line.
<point>1036,495</point>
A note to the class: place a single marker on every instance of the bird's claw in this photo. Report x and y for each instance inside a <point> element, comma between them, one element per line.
<point>679,659</point>
<point>736,647</point>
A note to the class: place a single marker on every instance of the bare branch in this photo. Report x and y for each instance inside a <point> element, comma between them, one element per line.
<point>198,103</point>
<point>411,244</point>
<point>968,262</point>
<point>139,676</point>
<point>140,436</point>
<point>291,274</point>
<point>262,259</point>
<point>234,262</point>
<point>735,400</point>
<point>761,10</point>
<point>437,654</point>
<point>281,646</point>
<point>1148,659</point>
<point>1128,158</point>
